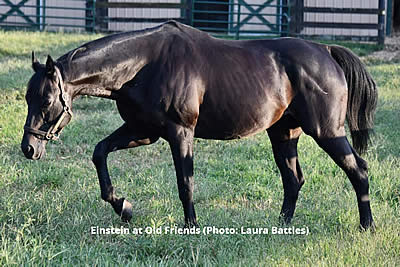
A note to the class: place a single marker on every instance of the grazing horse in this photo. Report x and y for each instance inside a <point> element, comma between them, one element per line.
<point>176,82</point>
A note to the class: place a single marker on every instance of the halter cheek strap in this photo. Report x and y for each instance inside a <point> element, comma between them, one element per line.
<point>54,131</point>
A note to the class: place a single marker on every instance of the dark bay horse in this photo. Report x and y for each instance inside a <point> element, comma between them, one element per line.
<point>175,82</point>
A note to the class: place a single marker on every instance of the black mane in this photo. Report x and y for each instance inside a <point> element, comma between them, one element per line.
<point>117,38</point>
<point>98,50</point>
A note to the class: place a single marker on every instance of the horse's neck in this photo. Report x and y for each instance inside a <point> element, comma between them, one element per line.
<point>102,74</point>
<point>106,82</point>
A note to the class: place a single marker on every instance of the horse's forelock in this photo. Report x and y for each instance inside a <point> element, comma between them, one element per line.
<point>35,84</point>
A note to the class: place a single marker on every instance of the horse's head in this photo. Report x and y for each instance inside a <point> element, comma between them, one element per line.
<point>49,108</point>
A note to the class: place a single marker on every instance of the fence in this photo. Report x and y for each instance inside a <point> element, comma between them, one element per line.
<point>45,14</point>
<point>356,20</point>
<point>238,18</point>
<point>363,19</point>
<point>120,15</point>
<point>90,15</point>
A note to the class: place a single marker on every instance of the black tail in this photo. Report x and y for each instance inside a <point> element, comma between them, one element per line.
<point>362,96</point>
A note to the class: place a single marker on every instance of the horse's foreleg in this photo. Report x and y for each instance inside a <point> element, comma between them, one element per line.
<point>181,142</point>
<point>122,138</point>
<point>284,145</point>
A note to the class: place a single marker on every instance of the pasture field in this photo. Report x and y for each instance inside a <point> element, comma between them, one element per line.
<point>47,207</point>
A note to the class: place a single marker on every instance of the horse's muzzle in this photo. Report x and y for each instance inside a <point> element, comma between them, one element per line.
<point>32,147</point>
<point>28,150</point>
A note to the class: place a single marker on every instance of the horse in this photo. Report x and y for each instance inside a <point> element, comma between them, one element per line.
<point>175,82</point>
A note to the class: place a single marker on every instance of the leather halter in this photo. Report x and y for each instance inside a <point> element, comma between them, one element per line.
<point>54,131</point>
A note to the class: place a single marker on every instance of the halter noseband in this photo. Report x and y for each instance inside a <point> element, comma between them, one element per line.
<point>54,131</point>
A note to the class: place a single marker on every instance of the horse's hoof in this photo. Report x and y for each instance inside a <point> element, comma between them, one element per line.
<point>368,226</point>
<point>192,224</point>
<point>126,213</point>
<point>285,220</point>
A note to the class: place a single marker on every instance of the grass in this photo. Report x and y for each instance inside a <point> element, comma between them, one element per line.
<point>48,207</point>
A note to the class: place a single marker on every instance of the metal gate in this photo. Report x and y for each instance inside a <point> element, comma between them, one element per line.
<point>242,18</point>
<point>47,14</point>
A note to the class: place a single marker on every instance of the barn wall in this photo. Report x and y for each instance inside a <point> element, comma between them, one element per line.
<point>75,18</point>
<point>141,13</point>
<point>340,18</point>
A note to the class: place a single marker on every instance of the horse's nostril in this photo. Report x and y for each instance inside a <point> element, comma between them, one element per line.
<point>29,151</point>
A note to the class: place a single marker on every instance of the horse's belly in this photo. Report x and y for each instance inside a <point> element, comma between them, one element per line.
<point>227,133</point>
<point>236,123</point>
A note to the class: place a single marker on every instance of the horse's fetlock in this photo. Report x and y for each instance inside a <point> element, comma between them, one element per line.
<point>108,195</point>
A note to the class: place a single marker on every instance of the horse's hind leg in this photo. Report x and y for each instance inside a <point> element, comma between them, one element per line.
<point>181,142</point>
<point>122,138</point>
<point>355,168</point>
<point>284,136</point>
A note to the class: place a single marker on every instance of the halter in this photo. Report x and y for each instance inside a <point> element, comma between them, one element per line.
<point>54,131</point>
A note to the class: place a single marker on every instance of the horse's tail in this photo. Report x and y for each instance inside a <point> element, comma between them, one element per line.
<point>362,96</point>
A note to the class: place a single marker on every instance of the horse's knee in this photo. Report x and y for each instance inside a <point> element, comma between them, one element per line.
<point>99,153</point>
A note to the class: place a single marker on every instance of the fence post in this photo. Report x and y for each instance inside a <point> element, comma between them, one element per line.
<point>43,27</point>
<point>284,18</point>
<point>40,14</point>
<point>90,15</point>
<point>296,17</point>
<point>189,12</point>
<point>389,17</point>
<point>381,22</point>
<point>101,13</point>
<point>38,19</point>
<point>238,21</point>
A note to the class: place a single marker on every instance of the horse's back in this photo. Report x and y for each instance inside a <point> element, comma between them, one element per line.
<point>249,84</point>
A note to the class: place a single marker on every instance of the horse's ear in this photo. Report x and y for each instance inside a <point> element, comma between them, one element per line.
<point>35,63</point>
<point>50,66</point>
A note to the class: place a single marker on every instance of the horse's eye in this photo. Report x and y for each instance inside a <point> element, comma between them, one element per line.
<point>46,104</point>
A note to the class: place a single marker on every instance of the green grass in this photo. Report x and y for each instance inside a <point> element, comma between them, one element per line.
<point>47,207</point>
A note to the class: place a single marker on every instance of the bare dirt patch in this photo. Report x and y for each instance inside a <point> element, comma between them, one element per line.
<point>390,53</point>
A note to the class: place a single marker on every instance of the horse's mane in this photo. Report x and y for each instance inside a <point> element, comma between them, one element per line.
<point>111,39</point>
